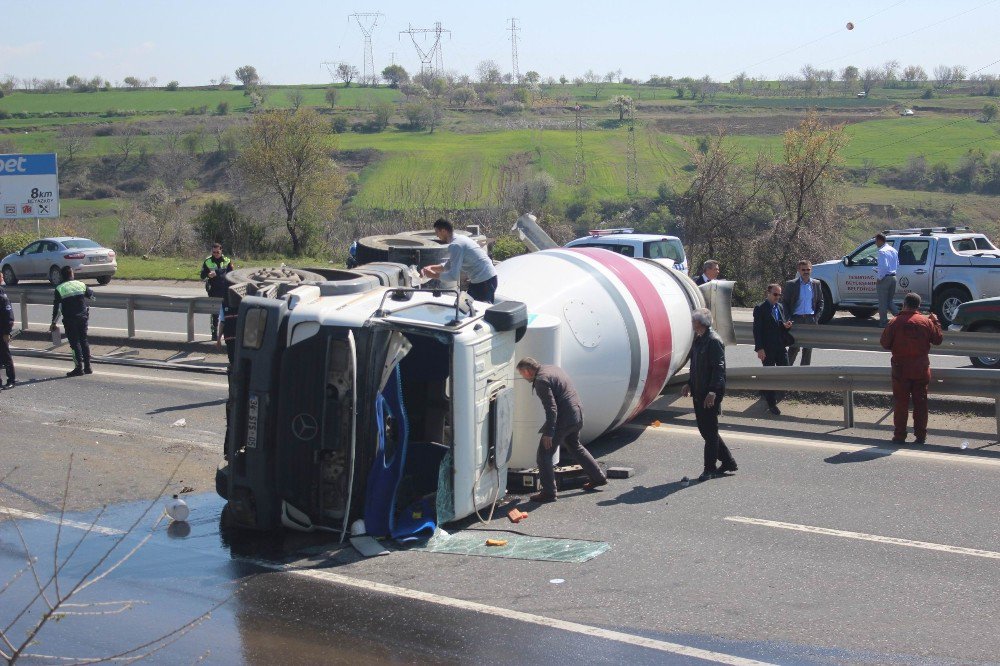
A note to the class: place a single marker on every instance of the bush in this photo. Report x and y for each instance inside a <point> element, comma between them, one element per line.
<point>14,241</point>
<point>105,130</point>
<point>928,93</point>
<point>173,85</point>
<point>220,221</point>
<point>197,110</point>
<point>4,115</point>
<point>339,124</point>
<point>510,107</point>
<point>119,113</point>
<point>222,109</point>
<point>507,246</point>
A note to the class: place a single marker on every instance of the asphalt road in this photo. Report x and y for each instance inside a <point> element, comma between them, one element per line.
<point>824,548</point>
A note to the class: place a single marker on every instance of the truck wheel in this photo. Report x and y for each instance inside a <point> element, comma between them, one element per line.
<point>863,313</point>
<point>990,362</point>
<point>947,303</point>
<point>222,481</point>
<point>827,314</point>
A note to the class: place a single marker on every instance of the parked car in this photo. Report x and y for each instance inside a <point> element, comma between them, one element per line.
<point>982,316</point>
<point>907,112</point>
<point>631,244</point>
<point>947,266</point>
<point>44,259</point>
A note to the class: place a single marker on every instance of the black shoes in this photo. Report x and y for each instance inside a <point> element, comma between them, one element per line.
<point>774,410</point>
<point>594,485</point>
<point>542,498</point>
<point>920,440</point>
<point>10,382</point>
<point>732,467</point>
<point>896,440</point>
<point>87,370</point>
<point>75,372</point>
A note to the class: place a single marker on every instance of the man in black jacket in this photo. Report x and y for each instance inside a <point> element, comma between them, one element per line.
<point>803,301</point>
<point>771,337</point>
<point>707,386</point>
<point>709,271</point>
<point>6,328</point>
<point>563,422</point>
<point>213,272</point>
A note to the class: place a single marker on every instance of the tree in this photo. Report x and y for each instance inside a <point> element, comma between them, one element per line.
<point>849,75</point>
<point>381,115</point>
<point>870,77</point>
<point>73,141</point>
<point>488,73</point>
<point>347,73</point>
<point>295,99</point>
<point>132,82</point>
<point>173,85</point>
<point>804,185</point>
<point>624,104</point>
<point>943,76</point>
<point>463,95</point>
<point>395,75</point>
<point>285,159</point>
<point>740,81</point>
<point>331,97</point>
<point>912,74</point>
<point>989,111</point>
<point>889,73</point>
<point>247,75</point>
<point>596,83</point>
<point>532,77</point>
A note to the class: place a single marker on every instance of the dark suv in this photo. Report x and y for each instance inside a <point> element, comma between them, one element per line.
<point>982,316</point>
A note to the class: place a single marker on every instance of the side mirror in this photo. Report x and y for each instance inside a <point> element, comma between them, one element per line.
<point>847,262</point>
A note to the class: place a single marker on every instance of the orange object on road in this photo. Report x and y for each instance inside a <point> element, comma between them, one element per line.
<point>656,423</point>
<point>496,542</point>
<point>516,515</point>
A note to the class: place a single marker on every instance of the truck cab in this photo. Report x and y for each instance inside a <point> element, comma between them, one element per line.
<point>356,400</point>
<point>945,265</point>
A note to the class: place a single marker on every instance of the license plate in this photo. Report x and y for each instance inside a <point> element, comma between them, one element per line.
<point>99,260</point>
<point>254,408</point>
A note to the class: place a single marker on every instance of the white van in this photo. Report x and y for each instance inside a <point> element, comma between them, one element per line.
<point>631,244</point>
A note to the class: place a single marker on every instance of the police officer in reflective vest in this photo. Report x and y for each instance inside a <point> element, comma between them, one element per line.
<point>72,296</point>
<point>213,272</point>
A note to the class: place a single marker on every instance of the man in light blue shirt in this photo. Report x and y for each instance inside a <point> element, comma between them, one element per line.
<point>804,302</point>
<point>887,262</point>
<point>464,256</point>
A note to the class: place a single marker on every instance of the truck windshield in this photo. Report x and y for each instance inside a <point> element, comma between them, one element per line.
<point>665,249</point>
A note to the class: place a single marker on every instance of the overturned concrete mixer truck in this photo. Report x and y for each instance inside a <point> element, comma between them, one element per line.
<point>359,394</point>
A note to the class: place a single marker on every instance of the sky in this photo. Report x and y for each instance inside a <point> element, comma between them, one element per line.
<point>197,42</point>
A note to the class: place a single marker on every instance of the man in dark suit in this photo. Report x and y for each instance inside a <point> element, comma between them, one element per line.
<point>709,271</point>
<point>771,337</point>
<point>803,301</point>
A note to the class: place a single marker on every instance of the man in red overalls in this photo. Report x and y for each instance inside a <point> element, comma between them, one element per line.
<point>909,336</point>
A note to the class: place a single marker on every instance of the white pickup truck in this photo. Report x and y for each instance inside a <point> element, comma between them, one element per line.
<point>947,266</point>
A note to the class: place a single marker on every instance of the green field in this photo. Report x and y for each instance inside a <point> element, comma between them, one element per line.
<point>165,101</point>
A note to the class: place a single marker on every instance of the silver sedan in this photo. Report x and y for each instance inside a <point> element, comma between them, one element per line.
<point>44,259</point>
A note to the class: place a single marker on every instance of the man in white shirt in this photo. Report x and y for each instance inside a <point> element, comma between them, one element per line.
<point>709,271</point>
<point>887,262</point>
<point>464,256</point>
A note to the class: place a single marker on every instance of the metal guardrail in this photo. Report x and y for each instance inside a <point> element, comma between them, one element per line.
<point>128,302</point>
<point>853,338</point>
<point>975,382</point>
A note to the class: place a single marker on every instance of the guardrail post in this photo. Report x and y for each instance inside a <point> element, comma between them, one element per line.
<point>24,311</point>
<point>130,315</point>
<point>996,405</point>
<point>848,409</point>
<point>190,317</point>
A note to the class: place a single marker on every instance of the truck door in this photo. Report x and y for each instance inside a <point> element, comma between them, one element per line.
<point>856,280</point>
<point>914,273</point>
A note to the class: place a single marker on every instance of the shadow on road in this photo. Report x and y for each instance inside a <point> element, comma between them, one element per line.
<point>192,405</point>
<point>865,455</point>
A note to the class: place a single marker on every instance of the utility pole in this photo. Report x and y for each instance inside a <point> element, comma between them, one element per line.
<point>367,22</point>
<point>631,162</point>
<point>515,71</point>
<point>579,166</point>
<point>431,60</point>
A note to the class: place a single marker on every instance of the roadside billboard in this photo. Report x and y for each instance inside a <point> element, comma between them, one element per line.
<point>29,186</point>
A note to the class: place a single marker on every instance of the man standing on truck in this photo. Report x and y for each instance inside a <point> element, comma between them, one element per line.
<point>563,422</point>
<point>887,262</point>
<point>909,337</point>
<point>213,272</point>
<point>464,256</point>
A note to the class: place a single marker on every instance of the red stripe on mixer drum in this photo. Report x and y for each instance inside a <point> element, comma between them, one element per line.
<point>654,317</point>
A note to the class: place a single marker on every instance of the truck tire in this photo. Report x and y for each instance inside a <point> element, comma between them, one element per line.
<point>947,301</point>
<point>262,275</point>
<point>990,362</point>
<point>400,248</point>
<point>863,313</point>
<point>828,309</point>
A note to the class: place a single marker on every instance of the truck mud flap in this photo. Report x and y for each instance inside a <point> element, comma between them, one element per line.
<point>719,300</point>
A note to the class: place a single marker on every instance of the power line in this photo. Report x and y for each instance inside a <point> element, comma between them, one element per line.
<point>367,22</point>
<point>580,165</point>
<point>431,60</point>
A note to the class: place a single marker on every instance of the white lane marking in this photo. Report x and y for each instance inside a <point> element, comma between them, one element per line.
<point>957,456</point>
<point>125,375</point>
<point>530,618</point>
<point>958,550</point>
<point>30,515</point>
